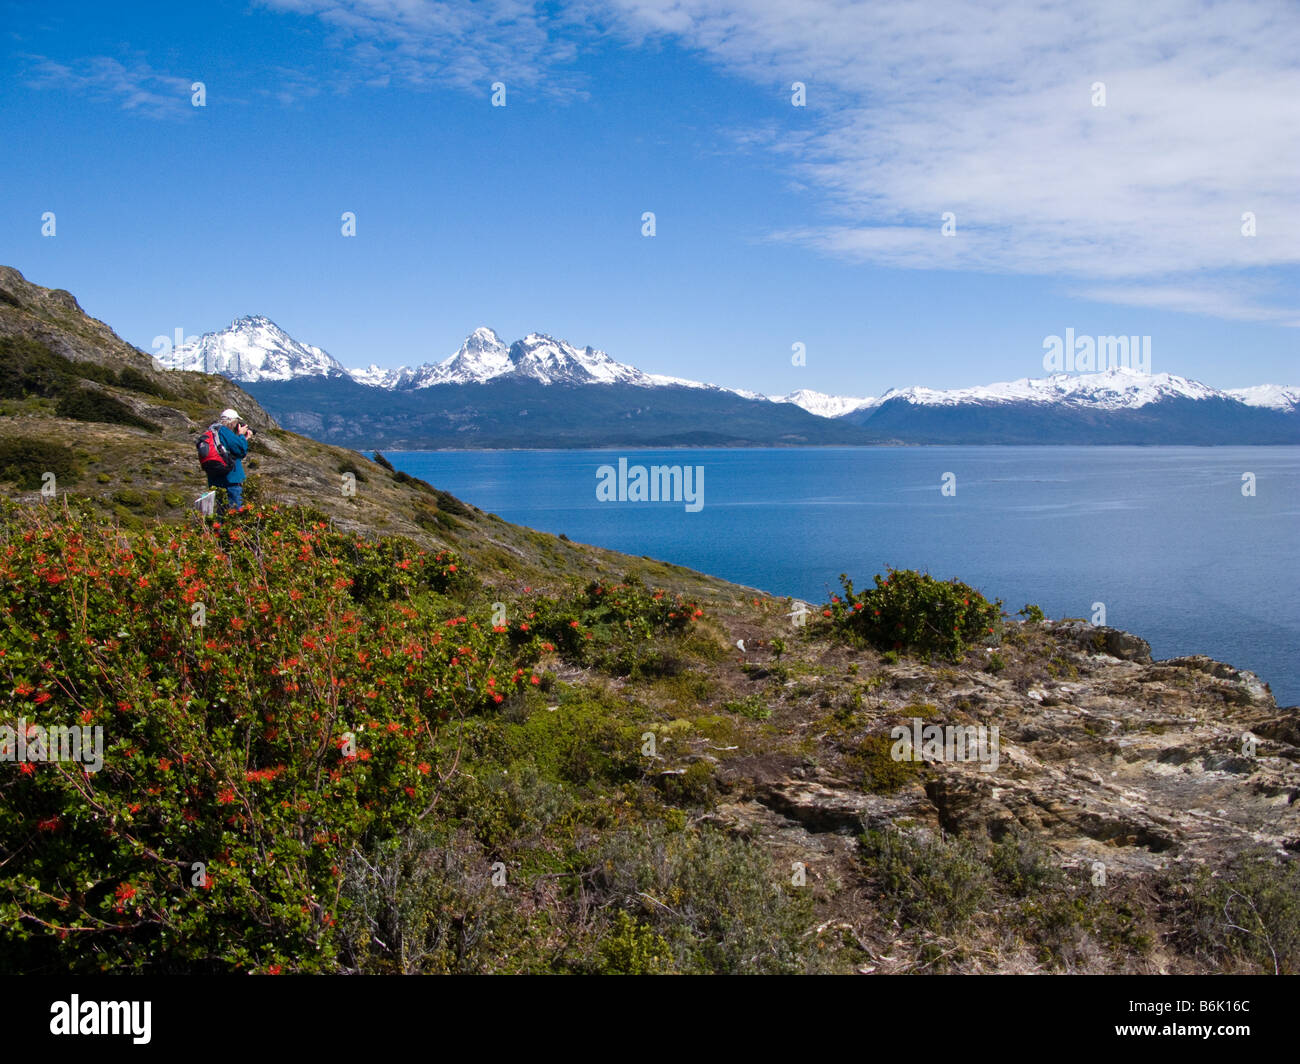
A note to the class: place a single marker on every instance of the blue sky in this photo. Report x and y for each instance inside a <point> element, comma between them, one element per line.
<point>776,224</point>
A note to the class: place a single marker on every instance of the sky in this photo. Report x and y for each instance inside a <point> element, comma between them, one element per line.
<point>1102,167</point>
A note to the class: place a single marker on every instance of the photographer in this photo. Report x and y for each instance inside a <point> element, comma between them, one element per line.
<point>234,436</point>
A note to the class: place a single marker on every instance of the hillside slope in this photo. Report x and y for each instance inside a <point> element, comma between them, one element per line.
<point>150,470</point>
<point>714,790</point>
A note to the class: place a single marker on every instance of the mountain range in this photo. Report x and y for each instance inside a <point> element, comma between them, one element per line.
<point>543,392</point>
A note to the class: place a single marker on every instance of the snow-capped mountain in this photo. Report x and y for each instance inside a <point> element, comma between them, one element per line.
<point>484,356</point>
<point>1113,389</point>
<point>376,406</point>
<point>253,349</point>
<point>824,405</point>
<point>1271,396</point>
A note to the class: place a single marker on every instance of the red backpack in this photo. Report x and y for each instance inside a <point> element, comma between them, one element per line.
<point>213,456</point>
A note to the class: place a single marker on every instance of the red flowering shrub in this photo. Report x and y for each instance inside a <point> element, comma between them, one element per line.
<point>271,694</point>
<point>604,617</point>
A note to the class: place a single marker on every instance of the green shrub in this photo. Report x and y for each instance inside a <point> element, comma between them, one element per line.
<point>752,706</point>
<point>405,478</point>
<point>911,611</point>
<point>25,459</point>
<point>85,404</point>
<point>128,497</point>
<point>1248,915</point>
<point>695,786</point>
<point>1023,866</point>
<point>633,948</point>
<point>603,623</point>
<point>424,903</point>
<point>349,466</point>
<point>1031,613</point>
<point>719,902</point>
<point>28,367</point>
<point>131,378</point>
<point>929,881</point>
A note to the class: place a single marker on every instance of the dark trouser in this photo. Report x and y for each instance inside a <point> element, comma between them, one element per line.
<point>233,498</point>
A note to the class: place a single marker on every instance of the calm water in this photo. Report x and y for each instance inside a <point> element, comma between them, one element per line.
<point>1162,536</point>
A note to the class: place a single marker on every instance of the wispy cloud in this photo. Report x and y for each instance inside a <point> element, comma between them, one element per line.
<point>1226,298</point>
<point>986,110</point>
<point>427,43</point>
<point>134,86</point>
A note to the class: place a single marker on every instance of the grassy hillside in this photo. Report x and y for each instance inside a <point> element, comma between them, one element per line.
<point>125,446</point>
<point>391,733</point>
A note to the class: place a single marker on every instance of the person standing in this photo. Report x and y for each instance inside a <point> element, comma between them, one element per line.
<point>233,435</point>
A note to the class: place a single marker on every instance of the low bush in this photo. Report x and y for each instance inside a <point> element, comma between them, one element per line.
<point>86,404</point>
<point>911,611</point>
<point>25,460</point>
<point>131,378</point>
<point>1248,916</point>
<point>718,902</point>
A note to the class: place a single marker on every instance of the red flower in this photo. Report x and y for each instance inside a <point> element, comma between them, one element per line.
<point>423,767</point>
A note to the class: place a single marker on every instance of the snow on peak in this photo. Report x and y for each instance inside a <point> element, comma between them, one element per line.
<point>824,405</point>
<point>481,357</point>
<point>1273,396</point>
<point>551,361</point>
<point>1112,389</point>
<point>484,356</point>
<point>252,348</point>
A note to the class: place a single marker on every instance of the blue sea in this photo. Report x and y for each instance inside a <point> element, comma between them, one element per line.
<point>1163,537</point>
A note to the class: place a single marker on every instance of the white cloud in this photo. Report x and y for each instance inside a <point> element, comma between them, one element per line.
<point>137,87</point>
<point>1223,299</point>
<point>985,110</point>
<point>424,43</point>
<point>982,109</point>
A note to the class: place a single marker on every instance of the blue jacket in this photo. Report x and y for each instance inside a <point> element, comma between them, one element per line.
<point>238,447</point>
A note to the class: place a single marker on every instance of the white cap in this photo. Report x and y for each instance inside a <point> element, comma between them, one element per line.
<point>230,414</point>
